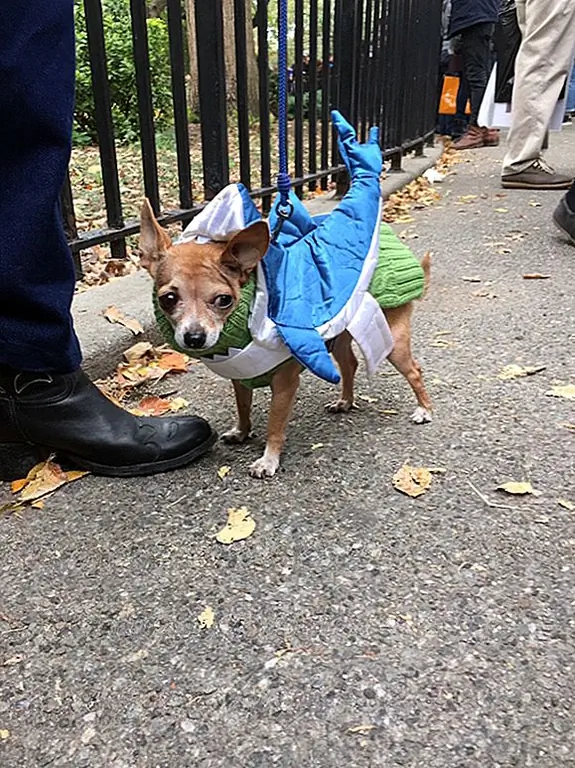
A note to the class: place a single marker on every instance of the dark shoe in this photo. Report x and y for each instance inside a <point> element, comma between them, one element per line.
<point>471,139</point>
<point>490,137</point>
<point>68,415</point>
<point>539,175</point>
<point>564,218</point>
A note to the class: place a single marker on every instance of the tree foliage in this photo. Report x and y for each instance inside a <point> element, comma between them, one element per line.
<point>121,73</point>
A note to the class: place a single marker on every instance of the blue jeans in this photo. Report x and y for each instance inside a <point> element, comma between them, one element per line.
<point>36,108</point>
<point>570,104</point>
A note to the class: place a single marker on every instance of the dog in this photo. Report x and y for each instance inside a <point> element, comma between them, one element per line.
<point>198,287</point>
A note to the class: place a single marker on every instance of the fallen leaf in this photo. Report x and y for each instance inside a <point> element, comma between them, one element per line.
<point>207,618</point>
<point>361,728</point>
<point>519,371</point>
<point>566,504</point>
<point>412,481</point>
<point>502,210</point>
<point>13,660</point>
<point>389,411</point>
<point>571,427</point>
<point>4,734</point>
<point>138,351</point>
<point>466,198</point>
<point>153,406</point>
<point>17,485</point>
<point>536,276</point>
<point>175,362</point>
<point>113,315</point>
<point>518,489</point>
<point>567,391</point>
<point>223,471</point>
<point>240,526</point>
<point>534,204</point>
<point>40,482</point>
<point>177,404</point>
<point>316,446</point>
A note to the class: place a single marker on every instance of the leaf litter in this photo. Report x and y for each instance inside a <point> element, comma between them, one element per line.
<point>240,526</point>
<point>518,489</point>
<point>206,618</point>
<point>413,481</point>
<point>113,315</point>
<point>566,391</point>
<point>519,371</point>
<point>39,484</point>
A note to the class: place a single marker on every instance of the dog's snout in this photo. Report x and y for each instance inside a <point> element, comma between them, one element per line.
<point>195,339</point>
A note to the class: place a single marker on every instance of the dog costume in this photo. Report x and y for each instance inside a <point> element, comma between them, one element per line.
<point>322,275</point>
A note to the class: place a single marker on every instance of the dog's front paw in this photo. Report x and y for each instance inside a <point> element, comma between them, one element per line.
<point>236,436</point>
<point>421,415</point>
<point>339,406</point>
<point>267,466</point>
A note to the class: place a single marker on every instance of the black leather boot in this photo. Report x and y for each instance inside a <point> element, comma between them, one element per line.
<point>66,414</point>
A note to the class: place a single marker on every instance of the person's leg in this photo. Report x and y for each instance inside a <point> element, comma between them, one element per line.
<point>476,49</point>
<point>564,214</point>
<point>544,57</point>
<point>36,104</point>
<point>46,402</point>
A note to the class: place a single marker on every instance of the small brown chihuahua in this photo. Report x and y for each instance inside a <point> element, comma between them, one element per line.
<point>198,287</point>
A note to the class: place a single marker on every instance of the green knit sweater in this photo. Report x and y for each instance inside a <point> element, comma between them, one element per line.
<point>398,279</point>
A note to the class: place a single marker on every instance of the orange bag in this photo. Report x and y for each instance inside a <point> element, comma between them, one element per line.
<point>448,101</point>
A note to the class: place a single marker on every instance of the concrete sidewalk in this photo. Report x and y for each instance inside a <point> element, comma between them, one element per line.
<point>356,627</point>
<point>103,343</point>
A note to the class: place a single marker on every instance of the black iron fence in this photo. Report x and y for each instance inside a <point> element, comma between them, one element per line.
<point>375,60</point>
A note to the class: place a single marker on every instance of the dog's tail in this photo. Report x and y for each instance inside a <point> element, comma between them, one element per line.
<point>426,264</point>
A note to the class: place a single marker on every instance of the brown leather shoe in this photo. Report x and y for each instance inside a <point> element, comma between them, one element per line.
<point>539,175</point>
<point>490,137</point>
<point>473,138</point>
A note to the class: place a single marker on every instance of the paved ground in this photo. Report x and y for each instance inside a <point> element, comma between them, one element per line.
<point>443,626</point>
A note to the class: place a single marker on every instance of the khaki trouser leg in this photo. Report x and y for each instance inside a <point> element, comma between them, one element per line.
<point>543,61</point>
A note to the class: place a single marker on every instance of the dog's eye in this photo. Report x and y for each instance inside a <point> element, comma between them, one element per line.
<point>224,301</point>
<point>168,301</point>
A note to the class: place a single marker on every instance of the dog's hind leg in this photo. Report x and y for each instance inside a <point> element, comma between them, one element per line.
<point>347,362</point>
<point>399,320</point>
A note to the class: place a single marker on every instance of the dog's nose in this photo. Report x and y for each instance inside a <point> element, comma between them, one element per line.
<point>195,339</point>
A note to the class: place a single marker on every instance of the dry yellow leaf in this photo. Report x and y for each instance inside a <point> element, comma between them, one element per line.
<point>412,481</point>
<point>567,391</point>
<point>113,315</point>
<point>502,210</point>
<point>566,504</point>
<point>518,489</point>
<point>223,471</point>
<point>519,371</point>
<point>536,276</point>
<point>138,351</point>
<point>207,618</point>
<point>571,427</point>
<point>4,734</point>
<point>361,728</point>
<point>42,480</point>
<point>178,404</point>
<point>240,526</point>
<point>316,446</point>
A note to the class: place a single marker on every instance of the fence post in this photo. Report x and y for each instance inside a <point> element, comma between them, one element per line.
<point>347,57</point>
<point>104,124</point>
<point>212,91</point>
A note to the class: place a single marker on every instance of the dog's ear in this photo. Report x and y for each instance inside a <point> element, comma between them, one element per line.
<point>154,240</point>
<point>245,249</point>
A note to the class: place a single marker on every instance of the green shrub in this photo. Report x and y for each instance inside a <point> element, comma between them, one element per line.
<point>121,73</point>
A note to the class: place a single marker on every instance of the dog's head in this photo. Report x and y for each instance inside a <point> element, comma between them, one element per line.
<point>199,285</point>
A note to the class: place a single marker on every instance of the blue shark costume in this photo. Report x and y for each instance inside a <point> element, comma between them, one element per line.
<point>314,281</point>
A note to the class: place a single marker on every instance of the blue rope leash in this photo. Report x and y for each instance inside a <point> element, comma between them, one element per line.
<point>284,207</point>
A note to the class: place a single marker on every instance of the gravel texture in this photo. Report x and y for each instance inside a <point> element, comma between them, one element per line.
<point>356,627</point>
